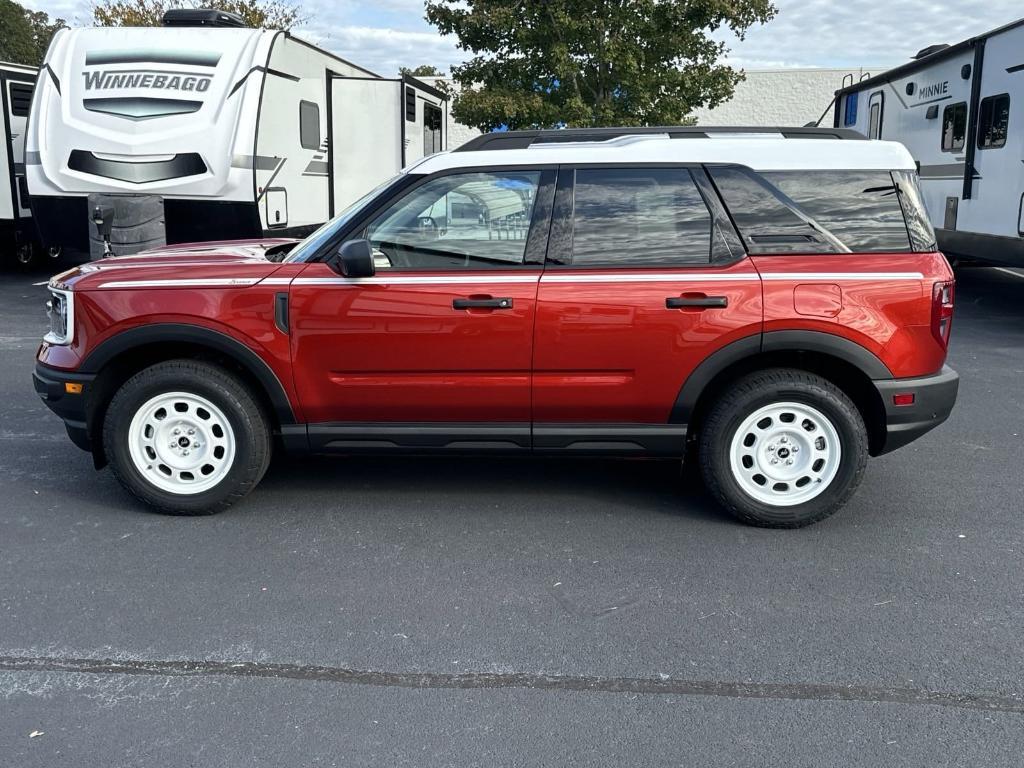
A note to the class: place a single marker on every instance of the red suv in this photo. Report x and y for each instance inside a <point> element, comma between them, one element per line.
<point>771,305</point>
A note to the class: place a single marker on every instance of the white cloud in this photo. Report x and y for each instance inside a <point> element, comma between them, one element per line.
<point>384,50</point>
<point>826,33</point>
<point>387,34</point>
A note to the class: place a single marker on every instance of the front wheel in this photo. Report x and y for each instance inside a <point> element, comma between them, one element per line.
<point>783,448</point>
<point>186,437</point>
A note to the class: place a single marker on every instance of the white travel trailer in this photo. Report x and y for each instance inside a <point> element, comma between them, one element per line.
<point>959,109</point>
<point>203,129</point>
<point>17,234</point>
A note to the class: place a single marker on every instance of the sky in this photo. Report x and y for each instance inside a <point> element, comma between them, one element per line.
<point>383,35</point>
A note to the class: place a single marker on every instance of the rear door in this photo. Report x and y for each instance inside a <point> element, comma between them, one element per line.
<point>435,349</point>
<point>645,279</point>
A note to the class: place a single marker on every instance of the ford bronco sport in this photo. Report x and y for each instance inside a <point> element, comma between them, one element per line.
<point>771,305</point>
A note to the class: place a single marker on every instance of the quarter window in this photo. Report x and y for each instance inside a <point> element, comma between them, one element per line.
<point>815,211</point>
<point>639,217</point>
<point>467,220</point>
<point>309,125</point>
<point>954,127</point>
<point>993,121</point>
<point>860,208</point>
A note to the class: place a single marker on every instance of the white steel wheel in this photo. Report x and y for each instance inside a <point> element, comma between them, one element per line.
<point>784,454</point>
<point>181,443</point>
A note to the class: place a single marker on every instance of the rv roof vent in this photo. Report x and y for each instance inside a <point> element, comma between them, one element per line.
<point>201,17</point>
<point>930,50</point>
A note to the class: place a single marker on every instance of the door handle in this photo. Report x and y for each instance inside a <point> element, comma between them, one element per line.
<point>483,302</point>
<point>697,301</point>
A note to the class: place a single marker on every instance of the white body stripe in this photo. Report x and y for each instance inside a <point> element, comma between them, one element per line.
<point>631,277</point>
<point>649,277</point>
<point>837,276</point>
<point>197,282</point>
<point>418,280</point>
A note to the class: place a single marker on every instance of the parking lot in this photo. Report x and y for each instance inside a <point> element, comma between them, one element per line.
<point>384,611</point>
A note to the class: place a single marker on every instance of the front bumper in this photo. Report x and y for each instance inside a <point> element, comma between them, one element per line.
<point>934,397</point>
<point>50,384</point>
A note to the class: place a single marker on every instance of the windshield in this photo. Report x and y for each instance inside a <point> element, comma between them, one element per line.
<point>317,239</point>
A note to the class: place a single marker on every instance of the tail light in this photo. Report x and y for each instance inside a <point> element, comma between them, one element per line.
<point>942,311</point>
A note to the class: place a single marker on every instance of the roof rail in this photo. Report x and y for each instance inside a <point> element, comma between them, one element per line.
<point>523,139</point>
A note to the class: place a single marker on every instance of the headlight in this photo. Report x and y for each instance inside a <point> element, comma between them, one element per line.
<point>61,309</point>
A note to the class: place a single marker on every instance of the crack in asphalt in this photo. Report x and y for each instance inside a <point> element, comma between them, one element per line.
<point>515,680</point>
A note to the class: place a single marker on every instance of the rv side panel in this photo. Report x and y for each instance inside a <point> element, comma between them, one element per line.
<point>292,139</point>
<point>929,108</point>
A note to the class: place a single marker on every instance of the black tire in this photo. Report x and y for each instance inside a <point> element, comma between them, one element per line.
<point>779,385</point>
<point>245,416</point>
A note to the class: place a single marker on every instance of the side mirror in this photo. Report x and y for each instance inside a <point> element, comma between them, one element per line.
<point>353,259</point>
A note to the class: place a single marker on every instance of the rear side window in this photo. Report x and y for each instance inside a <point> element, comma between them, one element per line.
<point>993,121</point>
<point>639,217</point>
<point>954,127</point>
<point>861,208</point>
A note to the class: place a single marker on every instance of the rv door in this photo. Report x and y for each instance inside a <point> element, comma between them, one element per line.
<point>366,140</point>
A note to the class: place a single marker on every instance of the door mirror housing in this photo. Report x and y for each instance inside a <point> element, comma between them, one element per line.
<point>354,258</point>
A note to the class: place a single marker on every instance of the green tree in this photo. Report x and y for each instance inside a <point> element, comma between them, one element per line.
<point>591,62</point>
<point>261,14</point>
<point>24,34</point>
<point>423,70</point>
<point>43,31</point>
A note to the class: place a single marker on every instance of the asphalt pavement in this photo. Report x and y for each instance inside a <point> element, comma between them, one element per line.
<point>428,612</point>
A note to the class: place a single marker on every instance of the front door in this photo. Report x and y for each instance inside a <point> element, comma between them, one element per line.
<point>646,278</point>
<point>434,350</point>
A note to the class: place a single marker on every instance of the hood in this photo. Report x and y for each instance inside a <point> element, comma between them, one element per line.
<point>228,263</point>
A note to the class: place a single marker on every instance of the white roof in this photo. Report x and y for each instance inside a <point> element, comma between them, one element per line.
<point>12,67</point>
<point>762,152</point>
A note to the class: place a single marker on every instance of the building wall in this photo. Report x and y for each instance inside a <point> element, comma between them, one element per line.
<point>789,97</point>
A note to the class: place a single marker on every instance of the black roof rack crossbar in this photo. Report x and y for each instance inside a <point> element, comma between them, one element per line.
<point>523,139</point>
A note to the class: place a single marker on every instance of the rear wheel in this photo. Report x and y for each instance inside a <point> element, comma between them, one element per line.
<point>186,437</point>
<point>783,448</point>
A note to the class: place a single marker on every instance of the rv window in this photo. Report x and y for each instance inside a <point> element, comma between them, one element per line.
<point>877,103</point>
<point>639,217</point>
<point>861,208</point>
<point>850,116</point>
<point>466,220</point>
<point>993,121</point>
<point>873,127</point>
<point>21,99</point>
<point>767,223</point>
<point>432,121</point>
<point>309,125</point>
<point>410,104</point>
<point>954,127</point>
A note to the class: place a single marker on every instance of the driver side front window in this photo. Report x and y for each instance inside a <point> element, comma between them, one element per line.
<point>467,220</point>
